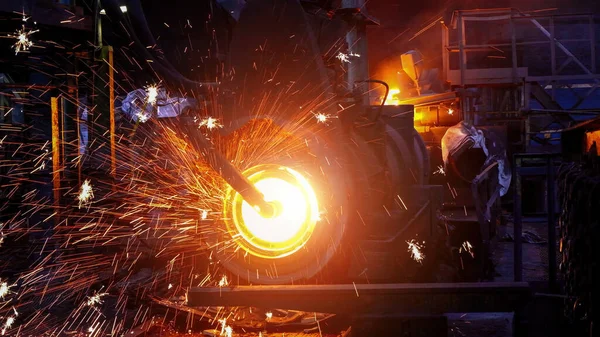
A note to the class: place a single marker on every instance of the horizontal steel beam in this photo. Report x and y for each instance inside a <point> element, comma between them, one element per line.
<point>593,77</point>
<point>350,299</point>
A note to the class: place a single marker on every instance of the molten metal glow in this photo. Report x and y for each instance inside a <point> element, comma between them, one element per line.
<point>296,213</point>
<point>392,97</point>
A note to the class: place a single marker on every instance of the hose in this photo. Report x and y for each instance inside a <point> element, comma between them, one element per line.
<point>387,91</point>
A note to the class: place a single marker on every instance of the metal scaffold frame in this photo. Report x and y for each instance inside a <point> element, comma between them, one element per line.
<point>561,54</point>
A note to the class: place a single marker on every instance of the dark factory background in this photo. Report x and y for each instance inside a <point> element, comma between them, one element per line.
<point>461,134</point>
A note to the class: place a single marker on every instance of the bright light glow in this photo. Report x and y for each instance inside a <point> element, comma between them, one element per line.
<point>123,10</point>
<point>223,282</point>
<point>392,97</point>
<point>4,289</point>
<point>287,224</point>
<point>450,111</point>
<point>96,299</point>
<point>210,123</point>
<point>343,57</point>
<point>152,92</point>
<point>414,248</point>
<point>85,193</point>
<point>321,118</point>
<point>296,213</point>
<point>22,35</point>
<point>467,248</point>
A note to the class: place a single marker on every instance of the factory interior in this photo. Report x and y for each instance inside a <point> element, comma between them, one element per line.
<point>299,168</point>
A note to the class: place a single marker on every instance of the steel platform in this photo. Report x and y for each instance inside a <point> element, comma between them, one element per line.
<point>360,299</point>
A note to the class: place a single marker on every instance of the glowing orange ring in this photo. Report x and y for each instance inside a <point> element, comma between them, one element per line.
<point>286,232</point>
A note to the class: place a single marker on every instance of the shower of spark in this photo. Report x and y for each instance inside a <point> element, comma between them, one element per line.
<point>4,289</point>
<point>22,36</point>
<point>142,116</point>
<point>223,282</point>
<point>95,299</point>
<point>440,170</point>
<point>152,94</point>
<point>414,248</point>
<point>8,324</point>
<point>345,58</point>
<point>468,248</point>
<point>158,206</point>
<point>2,235</point>
<point>85,193</point>
<point>322,118</point>
<point>210,123</point>
<point>10,320</point>
<point>226,330</point>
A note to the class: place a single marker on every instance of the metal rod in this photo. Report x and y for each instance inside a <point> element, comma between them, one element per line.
<point>445,52</point>
<point>553,56</point>
<point>227,170</point>
<point>492,46</point>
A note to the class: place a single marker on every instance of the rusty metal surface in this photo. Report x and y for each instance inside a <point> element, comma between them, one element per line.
<point>426,298</point>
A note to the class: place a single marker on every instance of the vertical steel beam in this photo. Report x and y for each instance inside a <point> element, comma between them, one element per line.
<point>513,47</point>
<point>356,39</point>
<point>550,182</point>
<point>445,52</point>
<point>517,224</point>
<point>56,167</point>
<point>462,60</point>
<point>592,28</point>
<point>462,55</point>
<point>553,56</point>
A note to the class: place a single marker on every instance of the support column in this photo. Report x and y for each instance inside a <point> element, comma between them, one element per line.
<point>56,155</point>
<point>101,116</point>
<point>356,38</point>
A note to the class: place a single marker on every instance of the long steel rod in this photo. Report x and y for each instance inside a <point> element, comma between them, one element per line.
<point>234,177</point>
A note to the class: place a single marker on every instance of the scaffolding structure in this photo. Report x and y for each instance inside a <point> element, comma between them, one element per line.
<point>508,65</point>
